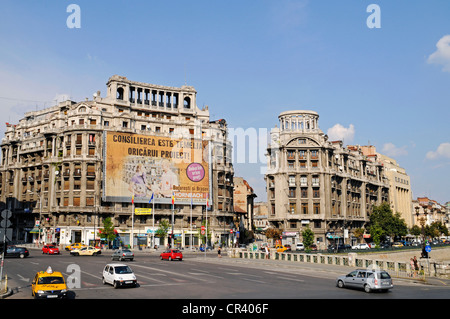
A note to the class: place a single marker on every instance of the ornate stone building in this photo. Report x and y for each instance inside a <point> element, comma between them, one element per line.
<point>52,165</point>
<point>313,182</point>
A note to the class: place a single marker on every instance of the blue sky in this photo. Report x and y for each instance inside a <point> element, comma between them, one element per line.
<point>250,61</point>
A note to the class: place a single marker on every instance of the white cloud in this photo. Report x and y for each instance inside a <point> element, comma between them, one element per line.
<point>391,150</point>
<point>443,151</point>
<point>442,54</point>
<point>339,132</point>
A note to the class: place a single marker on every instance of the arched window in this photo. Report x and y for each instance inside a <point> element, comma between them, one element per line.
<point>187,102</point>
<point>119,94</point>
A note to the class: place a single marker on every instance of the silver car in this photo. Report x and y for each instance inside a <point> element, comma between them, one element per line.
<point>367,279</point>
<point>123,254</point>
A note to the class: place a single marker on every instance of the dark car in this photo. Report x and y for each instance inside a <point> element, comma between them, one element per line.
<point>13,251</point>
<point>344,247</point>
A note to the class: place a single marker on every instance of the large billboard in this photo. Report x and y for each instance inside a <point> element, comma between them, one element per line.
<point>141,167</point>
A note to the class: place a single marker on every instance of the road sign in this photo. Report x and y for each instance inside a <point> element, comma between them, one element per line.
<point>9,233</point>
<point>202,230</point>
<point>6,214</point>
<point>428,248</point>
<point>5,223</point>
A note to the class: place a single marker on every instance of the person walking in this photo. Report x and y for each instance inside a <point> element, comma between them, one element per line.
<point>416,266</point>
<point>413,268</point>
<point>218,252</point>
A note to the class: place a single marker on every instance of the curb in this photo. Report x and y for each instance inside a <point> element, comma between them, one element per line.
<point>6,294</point>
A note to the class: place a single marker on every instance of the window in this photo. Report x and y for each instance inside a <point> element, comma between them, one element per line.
<point>304,208</point>
<point>292,192</point>
<point>291,180</point>
<point>89,201</point>
<point>291,165</point>
<point>304,193</point>
<point>292,208</point>
<point>90,184</point>
<point>315,181</point>
<point>303,181</point>
<point>79,139</point>
<point>316,208</point>
<point>316,192</point>
<point>76,201</point>
<point>125,124</point>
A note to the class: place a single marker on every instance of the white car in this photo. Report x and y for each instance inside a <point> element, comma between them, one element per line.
<point>361,246</point>
<point>119,275</point>
<point>299,246</point>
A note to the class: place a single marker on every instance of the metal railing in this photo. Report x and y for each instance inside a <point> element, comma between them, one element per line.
<point>397,269</point>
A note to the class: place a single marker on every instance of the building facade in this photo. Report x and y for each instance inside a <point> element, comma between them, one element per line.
<point>400,193</point>
<point>53,167</point>
<point>316,183</point>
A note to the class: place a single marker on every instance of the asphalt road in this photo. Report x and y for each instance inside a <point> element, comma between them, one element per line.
<point>203,277</point>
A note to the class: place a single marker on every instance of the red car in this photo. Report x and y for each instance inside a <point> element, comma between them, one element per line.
<point>50,249</point>
<point>172,254</point>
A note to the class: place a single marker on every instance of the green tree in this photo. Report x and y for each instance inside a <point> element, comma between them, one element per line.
<point>384,222</point>
<point>308,238</point>
<point>377,234</point>
<point>163,228</point>
<point>108,232</point>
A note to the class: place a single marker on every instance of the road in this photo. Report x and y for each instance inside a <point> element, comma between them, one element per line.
<point>202,277</point>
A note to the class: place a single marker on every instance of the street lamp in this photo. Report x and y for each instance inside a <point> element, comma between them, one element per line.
<point>422,222</point>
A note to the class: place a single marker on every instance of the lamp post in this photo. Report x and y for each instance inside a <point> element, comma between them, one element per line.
<point>422,222</point>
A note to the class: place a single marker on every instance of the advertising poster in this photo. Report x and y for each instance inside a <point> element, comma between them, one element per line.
<point>137,167</point>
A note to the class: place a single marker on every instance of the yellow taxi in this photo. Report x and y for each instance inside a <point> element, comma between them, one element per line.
<point>75,246</point>
<point>281,248</point>
<point>49,284</point>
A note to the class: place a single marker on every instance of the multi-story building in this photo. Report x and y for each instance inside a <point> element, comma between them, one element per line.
<point>400,194</point>
<point>54,167</point>
<point>313,182</point>
<point>429,211</point>
<point>243,199</point>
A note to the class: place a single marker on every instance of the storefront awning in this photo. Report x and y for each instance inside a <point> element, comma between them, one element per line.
<point>35,231</point>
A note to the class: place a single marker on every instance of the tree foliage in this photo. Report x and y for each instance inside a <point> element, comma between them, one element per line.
<point>308,238</point>
<point>108,232</point>
<point>163,228</point>
<point>274,233</point>
<point>383,222</point>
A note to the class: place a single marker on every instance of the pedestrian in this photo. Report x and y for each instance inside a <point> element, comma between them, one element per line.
<point>267,252</point>
<point>413,268</point>
<point>218,252</point>
<point>416,266</point>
